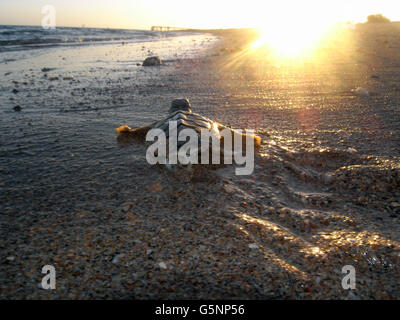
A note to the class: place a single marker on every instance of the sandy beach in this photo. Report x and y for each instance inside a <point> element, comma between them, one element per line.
<point>325,191</point>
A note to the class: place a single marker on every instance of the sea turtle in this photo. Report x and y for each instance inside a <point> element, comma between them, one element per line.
<point>181,112</point>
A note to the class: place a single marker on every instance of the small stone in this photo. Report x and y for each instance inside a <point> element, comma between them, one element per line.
<point>126,206</point>
<point>47,69</point>
<point>10,258</point>
<point>253,246</point>
<point>152,61</point>
<point>228,189</point>
<point>117,258</point>
<point>162,265</point>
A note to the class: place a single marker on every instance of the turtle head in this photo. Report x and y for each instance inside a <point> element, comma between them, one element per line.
<point>181,104</point>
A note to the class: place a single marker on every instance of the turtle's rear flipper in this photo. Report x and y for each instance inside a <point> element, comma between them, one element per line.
<point>257,141</point>
<point>238,136</point>
<point>126,135</point>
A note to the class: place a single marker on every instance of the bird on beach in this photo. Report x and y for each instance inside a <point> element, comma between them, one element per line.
<point>181,112</point>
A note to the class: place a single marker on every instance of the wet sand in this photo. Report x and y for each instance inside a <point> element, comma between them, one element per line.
<point>324,193</point>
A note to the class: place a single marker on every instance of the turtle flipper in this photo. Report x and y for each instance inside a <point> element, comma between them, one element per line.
<point>126,135</point>
<point>242,136</point>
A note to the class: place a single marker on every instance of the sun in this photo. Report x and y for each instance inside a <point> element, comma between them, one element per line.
<point>292,38</point>
<point>290,41</point>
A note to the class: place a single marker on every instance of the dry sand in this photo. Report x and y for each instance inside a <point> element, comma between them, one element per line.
<point>324,194</point>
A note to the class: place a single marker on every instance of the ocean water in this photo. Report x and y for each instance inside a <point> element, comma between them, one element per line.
<point>16,38</point>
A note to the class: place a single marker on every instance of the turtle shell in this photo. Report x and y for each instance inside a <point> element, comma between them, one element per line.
<point>187,120</point>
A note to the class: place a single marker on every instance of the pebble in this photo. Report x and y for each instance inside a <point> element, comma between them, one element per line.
<point>152,61</point>
<point>117,258</point>
<point>351,150</point>
<point>126,206</point>
<point>253,246</point>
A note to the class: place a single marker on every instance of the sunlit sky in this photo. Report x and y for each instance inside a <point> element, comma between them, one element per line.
<point>142,14</point>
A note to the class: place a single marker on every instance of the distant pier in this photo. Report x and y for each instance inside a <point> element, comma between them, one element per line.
<point>163,28</point>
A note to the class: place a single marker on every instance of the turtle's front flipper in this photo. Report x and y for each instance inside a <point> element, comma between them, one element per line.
<point>126,135</point>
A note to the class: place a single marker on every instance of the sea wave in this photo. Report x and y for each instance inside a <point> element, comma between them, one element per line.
<point>15,38</point>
